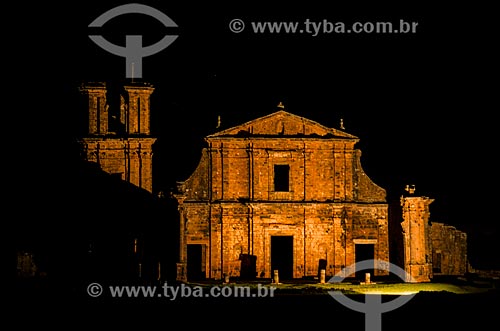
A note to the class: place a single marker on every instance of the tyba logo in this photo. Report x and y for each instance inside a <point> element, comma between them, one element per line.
<point>133,52</point>
<point>373,306</point>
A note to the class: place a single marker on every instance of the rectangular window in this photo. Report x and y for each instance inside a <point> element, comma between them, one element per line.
<point>281,178</point>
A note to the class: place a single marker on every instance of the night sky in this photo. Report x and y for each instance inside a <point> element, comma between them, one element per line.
<point>421,104</point>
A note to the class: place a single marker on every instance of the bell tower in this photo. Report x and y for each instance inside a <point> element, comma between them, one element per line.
<point>119,138</point>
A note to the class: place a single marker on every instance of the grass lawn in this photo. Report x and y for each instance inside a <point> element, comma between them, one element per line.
<point>382,288</point>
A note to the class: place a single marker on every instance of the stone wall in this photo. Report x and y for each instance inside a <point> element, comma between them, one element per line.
<point>449,250</point>
<point>417,244</point>
<point>430,249</point>
<point>118,137</point>
<point>128,158</point>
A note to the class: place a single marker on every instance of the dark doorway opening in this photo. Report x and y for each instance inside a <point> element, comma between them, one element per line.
<point>248,266</point>
<point>436,264</point>
<point>194,262</point>
<point>282,256</point>
<point>364,252</point>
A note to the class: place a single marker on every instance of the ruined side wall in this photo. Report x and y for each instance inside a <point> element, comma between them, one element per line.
<point>449,250</point>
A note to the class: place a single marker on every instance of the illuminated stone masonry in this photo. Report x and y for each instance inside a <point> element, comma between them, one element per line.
<point>119,138</point>
<point>430,249</point>
<point>282,193</point>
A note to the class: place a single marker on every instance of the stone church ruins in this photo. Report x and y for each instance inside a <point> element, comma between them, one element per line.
<point>280,192</point>
<point>285,193</point>
<point>280,183</point>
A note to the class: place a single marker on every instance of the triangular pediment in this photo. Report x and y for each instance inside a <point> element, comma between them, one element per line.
<point>285,124</point>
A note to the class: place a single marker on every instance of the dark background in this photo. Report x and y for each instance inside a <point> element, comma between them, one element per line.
<point>421,104</point>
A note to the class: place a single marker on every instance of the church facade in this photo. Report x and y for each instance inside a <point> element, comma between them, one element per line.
<point>280,193</point>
